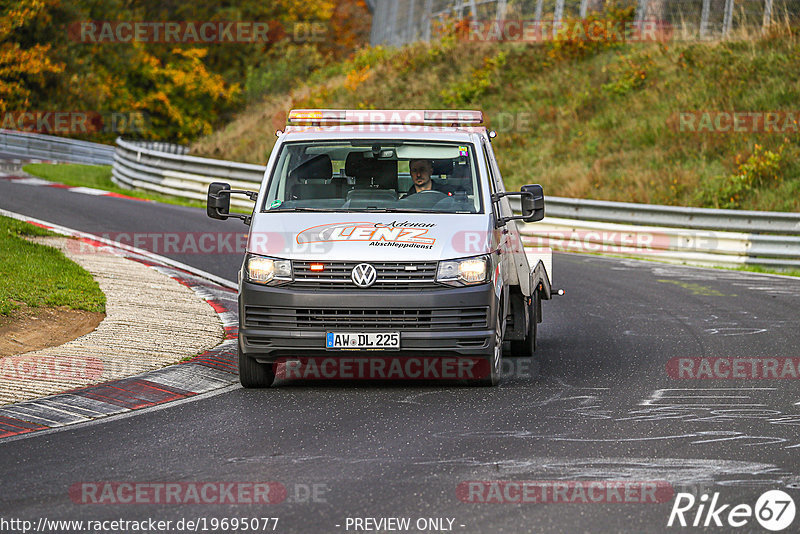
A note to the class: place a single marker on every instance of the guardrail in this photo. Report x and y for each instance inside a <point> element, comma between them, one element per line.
<point>674,245</point>
<point>140,166</point>
<point>768,222</point>
<point>667,233</point>
<point>49,147</point>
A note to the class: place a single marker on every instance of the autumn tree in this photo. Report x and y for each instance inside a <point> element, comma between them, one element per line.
<point>26,67</point>
<point>184,89</point>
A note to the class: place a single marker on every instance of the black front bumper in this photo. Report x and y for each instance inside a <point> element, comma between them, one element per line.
<point>295,322</point>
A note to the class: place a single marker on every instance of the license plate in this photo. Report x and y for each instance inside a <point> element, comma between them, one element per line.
<point>367,340</point>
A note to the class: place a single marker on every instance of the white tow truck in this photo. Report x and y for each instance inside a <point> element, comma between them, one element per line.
<point>386,233</point>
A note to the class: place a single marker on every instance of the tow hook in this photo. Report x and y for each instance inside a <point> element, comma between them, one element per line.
<point>554,292</point>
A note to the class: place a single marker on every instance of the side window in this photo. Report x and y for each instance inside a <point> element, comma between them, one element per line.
<point>489,168</point>
<point>503,207</point>
<point>498,181</point>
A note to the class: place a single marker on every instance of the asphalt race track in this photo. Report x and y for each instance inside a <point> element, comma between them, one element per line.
<point>599,405</point>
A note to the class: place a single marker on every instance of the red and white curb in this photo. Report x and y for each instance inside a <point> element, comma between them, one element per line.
<point>214,369</point>
<point>32,180</point>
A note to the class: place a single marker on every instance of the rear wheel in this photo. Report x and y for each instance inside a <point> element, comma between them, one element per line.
<point>526,347</point>
<point>253,374</point>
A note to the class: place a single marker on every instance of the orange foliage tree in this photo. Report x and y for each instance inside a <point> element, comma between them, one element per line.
<point>24,68</point>
<point>183,90</point>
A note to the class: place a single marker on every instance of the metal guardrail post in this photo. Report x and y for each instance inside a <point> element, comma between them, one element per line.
<point>557,16</point>
<point>704,18</point>
<point>393,24</point>
<point>428,20</point>
<point>473,10</point>
<point>412,32</point>
<point>767,22</point>
<point>584,8</point>
<point>500,14</point>
<point>727,21</point>
<point>641,12</point>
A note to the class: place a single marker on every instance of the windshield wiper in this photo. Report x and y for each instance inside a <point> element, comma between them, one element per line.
<point>303,209</point>
<point>392,210</point>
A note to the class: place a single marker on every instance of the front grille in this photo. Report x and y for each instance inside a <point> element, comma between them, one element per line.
<point>391,275</point>
<point>366,319</point>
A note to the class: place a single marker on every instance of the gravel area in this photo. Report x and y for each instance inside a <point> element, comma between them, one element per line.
<point>151,321</point>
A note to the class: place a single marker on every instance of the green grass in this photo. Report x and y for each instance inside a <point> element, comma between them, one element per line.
<point>601,117</point>
<point>39,275</point>
<point>766,270</point>
<point>99,177</point>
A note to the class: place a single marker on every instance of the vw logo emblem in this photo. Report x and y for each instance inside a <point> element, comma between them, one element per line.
<point>364,275</point>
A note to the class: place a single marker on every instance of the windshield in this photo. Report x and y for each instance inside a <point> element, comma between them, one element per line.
<point>363,175</point>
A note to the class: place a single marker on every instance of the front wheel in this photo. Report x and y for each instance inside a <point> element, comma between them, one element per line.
<point>253,374</point>
<point>494,361</point>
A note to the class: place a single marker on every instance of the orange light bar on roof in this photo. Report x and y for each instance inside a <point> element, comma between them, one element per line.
<point>386,116</point>
<point>316,115</point>
<point>457,116</point>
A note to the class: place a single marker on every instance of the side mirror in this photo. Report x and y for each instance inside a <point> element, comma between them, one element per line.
<point>532,203</point>
<point>218,206</point>
<point>218,202</point>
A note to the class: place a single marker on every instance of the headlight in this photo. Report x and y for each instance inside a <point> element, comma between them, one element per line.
<point>270,271</point>
<point>463,272</point>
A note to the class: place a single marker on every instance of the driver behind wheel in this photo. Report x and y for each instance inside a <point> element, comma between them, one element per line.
<point>421,170</point>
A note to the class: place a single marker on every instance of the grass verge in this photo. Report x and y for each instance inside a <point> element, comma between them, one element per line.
<point>38,275</point>
<point>766,270</point>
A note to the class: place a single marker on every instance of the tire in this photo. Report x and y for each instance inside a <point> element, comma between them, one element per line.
<point>527,347</point>
<point>536,318</point>
<point>253,374</point>
<point>495,361</point>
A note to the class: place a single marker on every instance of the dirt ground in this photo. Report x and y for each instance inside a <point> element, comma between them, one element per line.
<point>30,329</point>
